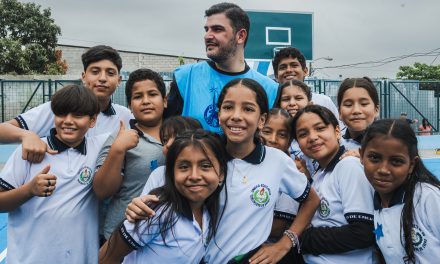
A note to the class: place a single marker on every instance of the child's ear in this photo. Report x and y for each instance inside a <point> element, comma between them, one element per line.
<point>93,121</point>
<point>338,132</point>
<point>311,103</point>
<point>165,102</point>
<point>377,108</point>
<point>262,121</point>
<point>413,164</point>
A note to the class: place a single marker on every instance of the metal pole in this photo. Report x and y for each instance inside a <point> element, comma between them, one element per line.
<point>3,101</point>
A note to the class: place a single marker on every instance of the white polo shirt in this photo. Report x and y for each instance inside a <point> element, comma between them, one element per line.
<point>345,195</point>
<point>61,228</point>
<point>426,225</point>
<point>253,186</point>
<point>351,143</point>
<point>156,179</point>
<point>186,243</point>
<point>40,120</point>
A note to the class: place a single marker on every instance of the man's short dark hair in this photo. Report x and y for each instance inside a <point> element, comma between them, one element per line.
<point>288,52</point>
<point>99,53</point>
<point>238,17</point>
<point>142,75</point>
<point>74,99</point>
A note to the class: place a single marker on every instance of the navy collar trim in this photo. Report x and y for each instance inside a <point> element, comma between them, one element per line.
<point>134,127</point>
<point>256,156</point>
<point>109,110</point>
<point>212,64</point>
<point>397,198</point>
<point>358,139</point>
<point>56,144</point>
<point>334,161</point>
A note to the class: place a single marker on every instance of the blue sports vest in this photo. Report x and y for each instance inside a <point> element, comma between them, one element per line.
<point>200,85</point>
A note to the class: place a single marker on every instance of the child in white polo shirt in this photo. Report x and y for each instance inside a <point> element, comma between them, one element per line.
<point>53,212</point>
<point>358,105</point>
<point>407,197</point>
<point>187,211</point>
<point>102,65</point>
<point>341,230</point>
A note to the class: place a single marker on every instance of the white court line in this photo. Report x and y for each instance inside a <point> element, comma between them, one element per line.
<point>3,254</point>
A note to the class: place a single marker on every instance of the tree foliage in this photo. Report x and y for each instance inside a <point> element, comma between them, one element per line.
<point>420,71</point>
<point>28,38</point>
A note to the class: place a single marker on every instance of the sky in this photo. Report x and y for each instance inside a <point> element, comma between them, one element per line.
<point>350,32</point>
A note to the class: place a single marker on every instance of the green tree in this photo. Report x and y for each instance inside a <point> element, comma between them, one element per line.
<point>28,38</point>
<point>420,71</point>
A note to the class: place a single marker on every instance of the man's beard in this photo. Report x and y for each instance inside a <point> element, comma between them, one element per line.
<point>225,52</point>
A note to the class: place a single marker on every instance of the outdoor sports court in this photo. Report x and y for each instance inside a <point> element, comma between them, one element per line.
<point>429,147</point>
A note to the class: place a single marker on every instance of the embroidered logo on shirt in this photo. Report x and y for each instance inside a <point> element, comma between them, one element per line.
<point>85,176</point>
<point>378,231</point>
<point>324,209</point>
<point>260,195</point>
<point>418,238</point>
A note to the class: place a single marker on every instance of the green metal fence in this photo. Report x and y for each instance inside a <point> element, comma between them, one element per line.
<point>418,99</point>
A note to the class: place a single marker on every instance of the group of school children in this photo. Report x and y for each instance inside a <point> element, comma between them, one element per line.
<point>282,183</point>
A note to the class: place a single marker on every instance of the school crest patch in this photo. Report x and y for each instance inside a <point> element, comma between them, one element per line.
<point>324,209</point>
<point>85,175</point>
<point>260,195</point>
<point>418,238</point>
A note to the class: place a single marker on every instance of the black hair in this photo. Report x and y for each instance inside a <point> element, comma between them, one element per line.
<point>238,17</point>
<point>254,86</point>
<point>402,131</point>
<point>171,200</point>
<point>287,122</point>
<point>74,99</point>
<point>288,52</point>
<point>142,75</point>
<point>425,123</point>
<point>363,82</point>
<point>174,125</point>
<point>323,112</point>
<point>99,53</point>
<point>304,87</point>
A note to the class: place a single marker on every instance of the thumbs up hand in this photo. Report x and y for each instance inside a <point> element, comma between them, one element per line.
<point>43,184</point>
<point>126,139</point>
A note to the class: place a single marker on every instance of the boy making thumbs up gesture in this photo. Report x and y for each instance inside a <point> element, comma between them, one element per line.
<point>52,210</point>
<point>125,162</point>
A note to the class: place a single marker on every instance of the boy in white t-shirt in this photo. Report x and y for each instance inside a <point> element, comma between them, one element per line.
<point>102,65</point>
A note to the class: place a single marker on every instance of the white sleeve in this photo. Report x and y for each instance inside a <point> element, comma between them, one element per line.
<point>14,173</point>
<point>156,179</point>
<point>355,190</point>
<point>430,208</point>
<point>140,233</point>
<point>125,115</point>
<point>39,119</point>
<point>293,182</point>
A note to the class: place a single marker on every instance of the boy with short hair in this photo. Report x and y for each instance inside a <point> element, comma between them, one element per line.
<point>53,213</point>
<point>102,65</point>
<point>125,162</point>
<point>290,64</point>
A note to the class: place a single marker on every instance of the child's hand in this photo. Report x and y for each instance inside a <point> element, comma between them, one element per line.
<point>351,152</point>
<point>43,184</point>
<point>33,148</point>
<point>138,209</point>
<point>126,138</point>
<point>302,167</point>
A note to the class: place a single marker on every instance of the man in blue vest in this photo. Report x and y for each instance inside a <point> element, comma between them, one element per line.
<point>196,87</point>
